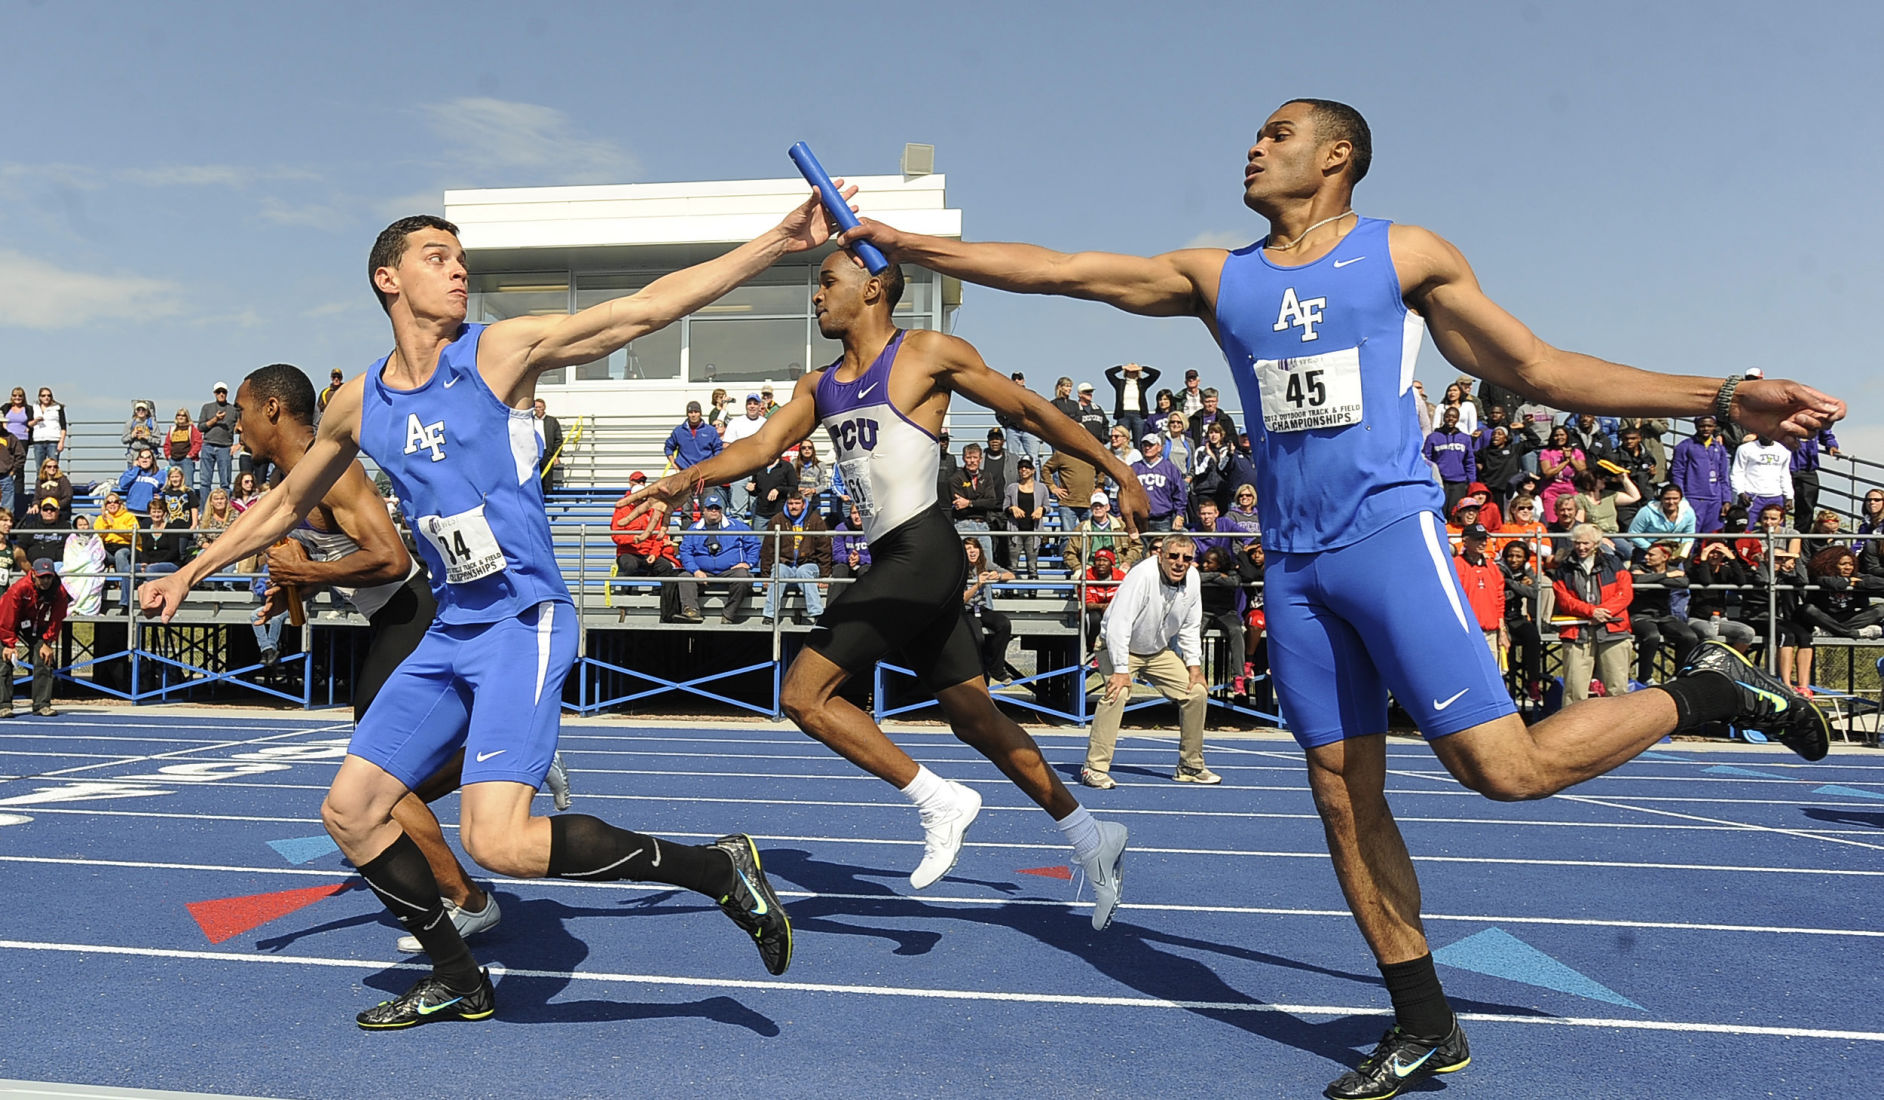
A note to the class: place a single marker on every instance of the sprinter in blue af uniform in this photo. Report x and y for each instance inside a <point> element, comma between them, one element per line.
<point>488,675</point>
<point>1319,322</point>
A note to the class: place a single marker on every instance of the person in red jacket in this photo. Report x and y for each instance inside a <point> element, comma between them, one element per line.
<point>643,549</point>
<point>1594,588</point>
<point>1484,585</point>
<point>32,610</point>
<point>1102,583</point>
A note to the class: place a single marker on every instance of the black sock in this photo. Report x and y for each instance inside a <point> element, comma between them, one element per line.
<point>1419,1005</point>
<point>1702,699</point>
<point>588,847</point>
<point>404,883</point>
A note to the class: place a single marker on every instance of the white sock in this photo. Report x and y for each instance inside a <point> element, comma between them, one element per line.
<point>1082,832</point>
<point>930,792</point>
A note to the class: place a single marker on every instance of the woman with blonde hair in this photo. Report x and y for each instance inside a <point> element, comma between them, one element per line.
<point>52,483</point>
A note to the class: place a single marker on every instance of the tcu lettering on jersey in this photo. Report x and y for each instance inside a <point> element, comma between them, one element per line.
<point>858,434</point>
<point>430,436</point>
<point>1305,312</point>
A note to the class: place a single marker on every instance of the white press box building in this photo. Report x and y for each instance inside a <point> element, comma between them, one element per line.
<point>545,250</point>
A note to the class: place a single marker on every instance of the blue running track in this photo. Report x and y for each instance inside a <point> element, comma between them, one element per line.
<point>1705,922</point>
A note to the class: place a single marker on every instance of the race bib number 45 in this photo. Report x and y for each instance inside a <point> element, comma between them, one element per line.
<point>1312,391</point>
<point>466,543</point>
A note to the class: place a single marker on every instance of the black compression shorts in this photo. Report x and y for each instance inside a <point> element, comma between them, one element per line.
<point>907,607</point>
<point>397,630</point>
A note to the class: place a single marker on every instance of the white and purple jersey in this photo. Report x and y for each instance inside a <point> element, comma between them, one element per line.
<point>888,463</point>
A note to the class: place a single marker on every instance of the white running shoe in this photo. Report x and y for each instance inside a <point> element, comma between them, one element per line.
<point>557,780</point>
<point>942,834</point>
<point>1106,872</point>
<point>468,923</point>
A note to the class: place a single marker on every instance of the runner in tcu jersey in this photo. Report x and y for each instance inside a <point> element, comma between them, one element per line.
<point>487,677</point>
<point>1319,322</point>
<point>883,404</point>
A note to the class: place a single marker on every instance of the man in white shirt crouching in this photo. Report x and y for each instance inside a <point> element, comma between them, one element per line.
<point>1153,629</point>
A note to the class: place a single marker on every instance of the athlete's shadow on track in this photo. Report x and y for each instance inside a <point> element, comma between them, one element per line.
<point>1144,959</point>
<point>1845,817</point>
<point>534,936</point>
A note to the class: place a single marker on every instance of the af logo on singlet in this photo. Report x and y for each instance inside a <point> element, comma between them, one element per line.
<point>430,436</point>
<point>1305,312</point>
<point>860,433</point>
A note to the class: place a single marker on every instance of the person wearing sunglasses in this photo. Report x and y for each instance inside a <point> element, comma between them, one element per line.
<point>1153,629</point>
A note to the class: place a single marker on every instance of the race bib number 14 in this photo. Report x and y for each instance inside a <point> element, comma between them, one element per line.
<point>466,543</point>
<point>1312,391</point>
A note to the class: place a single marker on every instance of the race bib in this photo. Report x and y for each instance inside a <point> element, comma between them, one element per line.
<point>857,484</point>
<point>1312,391</point>
<point>466,543</point>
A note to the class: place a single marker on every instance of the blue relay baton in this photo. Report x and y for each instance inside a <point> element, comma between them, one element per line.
<point>834,205</point>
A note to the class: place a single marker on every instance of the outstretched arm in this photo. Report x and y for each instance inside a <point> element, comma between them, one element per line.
<point>788,427</point>
<point>1477,336</point>
<point>1175,284</point>
<point>272,517</point>
<point>523,347</point>
<point>961,369</point>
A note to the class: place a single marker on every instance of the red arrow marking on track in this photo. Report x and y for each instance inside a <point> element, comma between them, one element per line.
<point>222,918</point>
<point>1049,872</point>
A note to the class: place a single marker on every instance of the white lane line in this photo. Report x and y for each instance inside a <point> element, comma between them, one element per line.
<point>105,737</point>
<point>989,902</point>
<point>177,753</point>
<point>1306,818</point>
<point>115,756</point>
<point>1803,834</point>
<point>1624,865</point>
<point>922,993</point>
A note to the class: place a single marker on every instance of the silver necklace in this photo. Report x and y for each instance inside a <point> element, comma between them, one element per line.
<point>1310,229</point>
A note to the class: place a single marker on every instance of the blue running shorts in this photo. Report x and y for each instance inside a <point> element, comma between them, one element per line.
<point>1385,614</point>
<point>494,689</point>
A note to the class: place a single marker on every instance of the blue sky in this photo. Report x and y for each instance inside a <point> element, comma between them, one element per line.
<point>188,191</point>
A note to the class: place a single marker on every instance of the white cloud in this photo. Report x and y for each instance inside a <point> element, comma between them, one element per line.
<point>312,215</point>
<point>210,175</point>
<point>1220,238</point>
<point>37,294</point>
<point>526,144</point>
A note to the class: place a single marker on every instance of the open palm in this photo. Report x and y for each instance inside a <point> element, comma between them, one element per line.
<point>809,226</point>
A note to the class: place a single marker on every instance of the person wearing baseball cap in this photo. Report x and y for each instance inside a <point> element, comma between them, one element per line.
<point>217,422</point>
<point>718,551</point>
<point>643,549</point>
<point>1090,416</point>
<point>334,378</point>
<point>1163,482</point>
<point>1191,397</point>
<point>31,612</point>
<point>738,428</point>
<point>1484,585</point>
<point>40,532</point>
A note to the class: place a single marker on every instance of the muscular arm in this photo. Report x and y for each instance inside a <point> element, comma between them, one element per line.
<point>361,514</point>
<point>272,517</point>
<point>959,367</point>
<point>1477,336</point>
<point>512,353</point>
<point>788,427</point>
<point>1175,284</point>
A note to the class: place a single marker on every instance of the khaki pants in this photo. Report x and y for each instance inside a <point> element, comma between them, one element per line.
<point>1607,657</point>
<point>1167,673</point>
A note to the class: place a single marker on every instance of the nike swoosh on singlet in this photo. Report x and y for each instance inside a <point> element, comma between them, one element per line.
<point>453,380</point>
<point>865,392</point>
<point>483,756</point>
<point>1344,263</point>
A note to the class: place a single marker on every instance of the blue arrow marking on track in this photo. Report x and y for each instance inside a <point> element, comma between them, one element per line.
<point>1729,769</point>
<point>1502,955</point>
<point>1653,755</point>
<point>1846,792</point>
<point>304,849</point>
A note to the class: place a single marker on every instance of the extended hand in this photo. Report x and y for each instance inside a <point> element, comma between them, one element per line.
<point>163,596</point>
<point>1134,506</point>
<point>1784,410</point>
<point>887,239</point>
<point>809,226</point>
<point>655,499</point>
